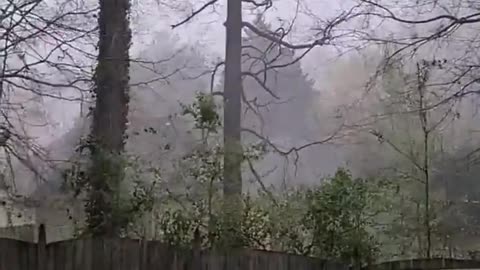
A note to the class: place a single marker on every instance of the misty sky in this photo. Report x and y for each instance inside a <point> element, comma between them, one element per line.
<point>206,32</point>
<point>207,29</point>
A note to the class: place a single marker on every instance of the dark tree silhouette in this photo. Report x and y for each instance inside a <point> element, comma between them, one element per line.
<point>109,116</point>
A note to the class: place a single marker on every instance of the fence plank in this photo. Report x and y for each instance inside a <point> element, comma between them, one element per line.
<point>32,257</point>
<point>106,253</point>
<point>78,254</point>
<point>9,253</point>
<point>143,255</point>
<point>50,257</point>
<point>122,260</point>
<point>69,256</point>
<point>24,255</point>
<point>116,256</point>
<point>42,248</point>
<point>98,257</point>
<point>133,254</point>
<point>60,250</point>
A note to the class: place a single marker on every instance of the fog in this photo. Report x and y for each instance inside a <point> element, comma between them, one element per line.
<point>56,124</point>
<point>170,66</point>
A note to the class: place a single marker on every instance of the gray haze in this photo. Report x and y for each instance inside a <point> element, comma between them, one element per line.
<point>156,93</point>
<point>340,100</point>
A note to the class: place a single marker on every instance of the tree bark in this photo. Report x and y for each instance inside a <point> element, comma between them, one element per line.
<point>110,113</point>
<point>422,77</point>
<point>232,175</point>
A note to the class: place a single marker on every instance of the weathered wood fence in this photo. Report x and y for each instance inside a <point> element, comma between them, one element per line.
<point>426,264</point>
<point>129,254</point>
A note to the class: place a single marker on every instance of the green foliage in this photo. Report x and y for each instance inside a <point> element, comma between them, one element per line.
<point>177,228</point>
<point>333,220</point>
<point>111,205</point>
<point>340,215</point>
<point>205,166</point>
<point>287,215</point>
<point>253,231</point>
<point>204,112</point>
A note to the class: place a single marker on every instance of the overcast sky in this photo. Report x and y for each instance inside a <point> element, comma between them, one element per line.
<point>207,33</point>
<point>207,29</point>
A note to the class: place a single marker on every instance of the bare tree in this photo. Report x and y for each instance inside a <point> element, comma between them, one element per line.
<point>233,93</point>
<point>445,31</point>
<point>42,56</point>
<point>415,95</point>
<point>441,29</point>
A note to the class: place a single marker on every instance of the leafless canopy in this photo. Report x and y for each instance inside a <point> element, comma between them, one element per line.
<point>325,34</point>
<point>436,25</point>
<point>44,52</point>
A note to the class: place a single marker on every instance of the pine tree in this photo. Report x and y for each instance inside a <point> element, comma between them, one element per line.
<point>284,115</point>
<point>287,114</point>
<point>288,119</point>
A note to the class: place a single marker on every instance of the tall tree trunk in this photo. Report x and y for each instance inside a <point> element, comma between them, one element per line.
<point>109,115</point>
<point>232,177</point>
<point>423,115</point>
<point>426,174</point>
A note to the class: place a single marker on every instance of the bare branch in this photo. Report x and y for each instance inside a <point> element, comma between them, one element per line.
<point>472,18</point>
<point>274,38</point>
<point>194,13</point>
<point>259,180</point>
<point>265,3</point>
<point>292,149</point>
<point>260,82</point>
<point>381,139</point>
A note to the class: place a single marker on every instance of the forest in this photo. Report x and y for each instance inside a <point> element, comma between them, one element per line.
<point>344,130</point>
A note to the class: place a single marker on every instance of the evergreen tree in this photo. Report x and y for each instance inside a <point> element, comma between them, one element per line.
<point>285,110</point>
<point>282,97</point>
<point>283,100</point>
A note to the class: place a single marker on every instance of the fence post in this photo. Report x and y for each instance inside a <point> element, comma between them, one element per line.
<point>196,250</point>
<point>42,248</point>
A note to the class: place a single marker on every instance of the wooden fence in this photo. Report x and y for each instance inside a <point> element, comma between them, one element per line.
<point>426,264</point>
<point>129,254</point>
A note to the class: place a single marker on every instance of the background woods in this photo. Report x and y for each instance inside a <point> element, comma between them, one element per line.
<point>343,131</point>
